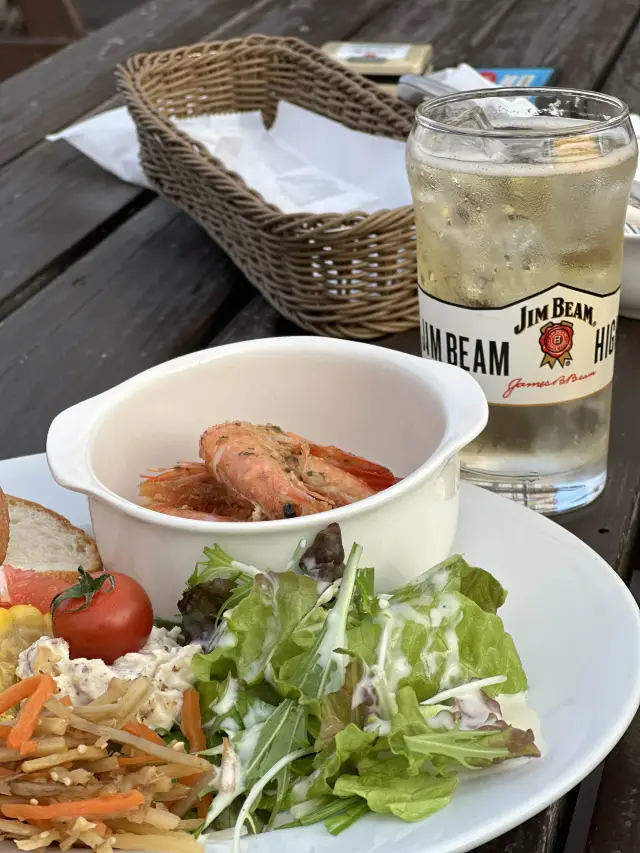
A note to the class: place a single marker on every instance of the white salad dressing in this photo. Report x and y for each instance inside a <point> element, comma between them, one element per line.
<point>301,788</point>
<point>162,660</point>
<point>228,699</point>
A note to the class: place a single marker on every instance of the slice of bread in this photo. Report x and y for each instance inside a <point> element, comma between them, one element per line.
<point>41,539</point>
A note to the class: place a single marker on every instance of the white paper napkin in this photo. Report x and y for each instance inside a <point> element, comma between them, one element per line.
<point>304,163</point>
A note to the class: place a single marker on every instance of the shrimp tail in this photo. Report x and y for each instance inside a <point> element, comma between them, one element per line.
<point>375,476</point>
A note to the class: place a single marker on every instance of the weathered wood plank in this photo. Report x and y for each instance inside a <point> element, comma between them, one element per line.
<point>20,52</point>
<point>256,320</point>
<point>57,193</point>
<point>95,14</point>
<point>616,824</point>
<point>58,90</point>
<point>579,37</point>
<point>453,28</point>
<point>155,289</point>
<point>51,200</point>
<point>623,79</point>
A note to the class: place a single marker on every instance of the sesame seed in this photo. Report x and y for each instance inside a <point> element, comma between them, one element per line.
<point>33,802</point>
<point>55,776</point>
<point>82,748</point>
<point>67,782</point>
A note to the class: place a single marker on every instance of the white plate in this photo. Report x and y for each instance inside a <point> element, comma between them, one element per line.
<point>577,629</point>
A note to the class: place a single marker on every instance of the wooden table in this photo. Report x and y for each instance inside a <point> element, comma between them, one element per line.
<point>100,280</point>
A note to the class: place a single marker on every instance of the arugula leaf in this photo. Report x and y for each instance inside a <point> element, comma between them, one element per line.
<point>281,733</point>
<point>388,790</point>
<point>340,821</point>
<point>418,740</point>
<point>365,598</point>
<point>251,753</point>
<point>473,749</point>
<point>320,670</point>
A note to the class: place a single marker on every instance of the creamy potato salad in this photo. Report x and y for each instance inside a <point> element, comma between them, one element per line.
<point>162,660</point>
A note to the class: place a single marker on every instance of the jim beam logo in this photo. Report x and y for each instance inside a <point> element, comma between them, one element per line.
<point>556,335</point>
<point>556,340</point>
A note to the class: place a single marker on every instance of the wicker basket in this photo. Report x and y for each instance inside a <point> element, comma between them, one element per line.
<point>348,275</point>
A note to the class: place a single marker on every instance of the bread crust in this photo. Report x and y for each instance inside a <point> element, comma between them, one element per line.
<point>4,526</point>
<point>85,542</point>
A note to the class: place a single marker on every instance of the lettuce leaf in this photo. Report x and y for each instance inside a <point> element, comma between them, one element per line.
<point>388,789</point>
<point>350,745</point>
<point>437,637</point>
<point>251,631</point>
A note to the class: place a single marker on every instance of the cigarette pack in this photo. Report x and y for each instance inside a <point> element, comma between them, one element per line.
<point>383,63</point>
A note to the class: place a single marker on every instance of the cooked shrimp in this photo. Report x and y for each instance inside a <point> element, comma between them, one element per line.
<point>250,463</point>
<point>185,512</point>
<point>334,473</point>
<point>190,486</point>
<point>251,472</point>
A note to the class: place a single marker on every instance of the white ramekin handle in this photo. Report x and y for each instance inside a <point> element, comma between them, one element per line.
<point>68,445</point>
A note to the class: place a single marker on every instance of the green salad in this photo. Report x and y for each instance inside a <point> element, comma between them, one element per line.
<point>322,701</point>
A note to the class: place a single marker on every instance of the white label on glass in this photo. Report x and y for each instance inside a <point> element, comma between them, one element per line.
<point>373,51</point>
<point>552,347</point>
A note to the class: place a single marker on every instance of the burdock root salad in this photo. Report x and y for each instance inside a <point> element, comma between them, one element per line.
<point>279,699</point>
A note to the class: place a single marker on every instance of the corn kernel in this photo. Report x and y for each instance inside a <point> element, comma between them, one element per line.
<point>27,614</point>
<point>6,622</point>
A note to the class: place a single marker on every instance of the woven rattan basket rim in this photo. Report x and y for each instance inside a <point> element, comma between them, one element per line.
<point>130,80</point>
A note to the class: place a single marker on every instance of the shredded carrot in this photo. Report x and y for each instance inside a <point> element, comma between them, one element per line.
<point>5,731</point>
<point>66,700</point>
<point>28,747</point>
<point>100,827</point>
<point>4,771</point>
<point>105,806</point>
<point>191,720</point>
<point>140,730</point>
<point>17,692</point>
<point>203,805</point>
<point>30,714</point>
<point>191,779</point>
